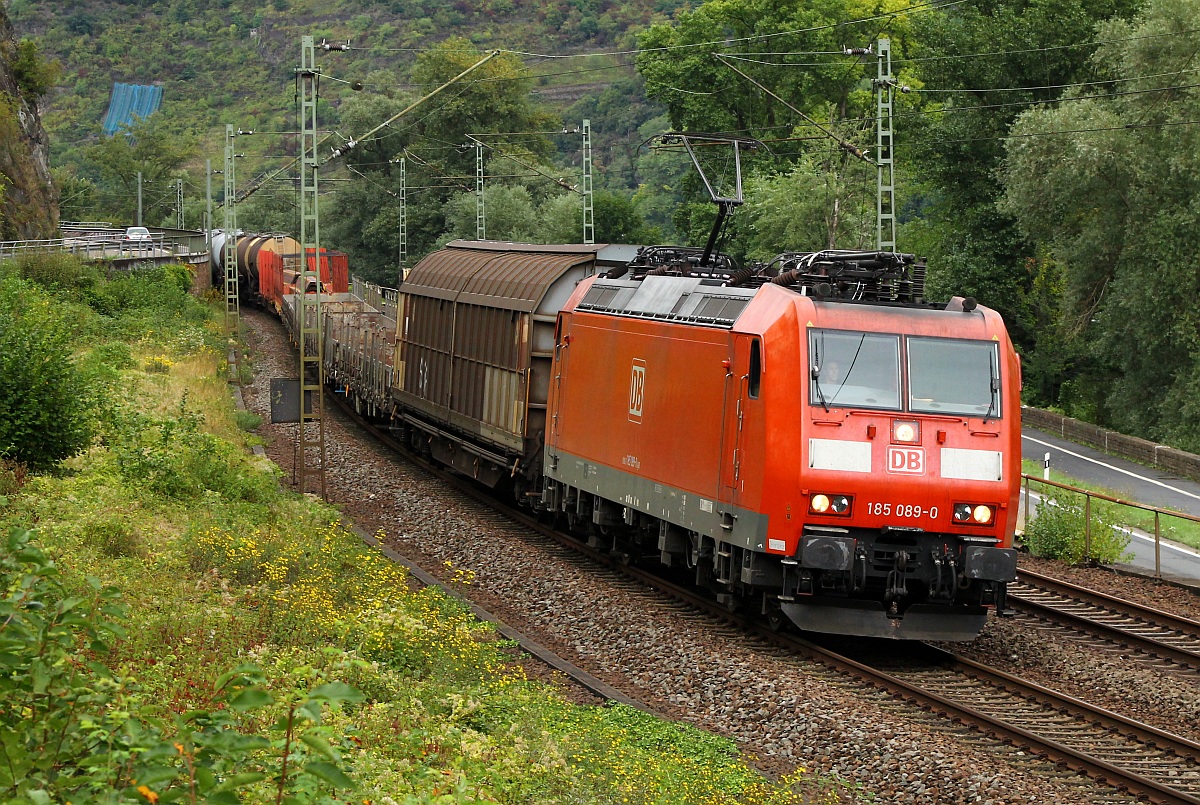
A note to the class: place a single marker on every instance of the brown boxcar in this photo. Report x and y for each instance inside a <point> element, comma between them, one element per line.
<point>476,339</point>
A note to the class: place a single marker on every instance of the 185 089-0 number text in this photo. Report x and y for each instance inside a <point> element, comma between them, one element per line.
<point>902,510</point>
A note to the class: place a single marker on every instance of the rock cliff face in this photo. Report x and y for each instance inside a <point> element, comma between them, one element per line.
<point>28,201</point>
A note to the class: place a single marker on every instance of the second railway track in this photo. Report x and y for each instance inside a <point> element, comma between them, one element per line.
<point>1113,620</point>
<point>1131,757</point>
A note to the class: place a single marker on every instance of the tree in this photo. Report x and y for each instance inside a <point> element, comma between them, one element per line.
<point>702,94</point>
<point>800,94</point>
<point>1107,183</point>
<point>439,159</point>
<point>272,209</point>
<point>35,75</point>
<point>978,66</point>
<point>510,214</point>
<point>44,413</point>
<point>77,196</point>
<point>153,146</point>
<point>819,204</point>
<point>616,114</point>
<point>615,218</point>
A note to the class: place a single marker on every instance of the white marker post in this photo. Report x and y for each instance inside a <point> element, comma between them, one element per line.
<point>1046,467</point>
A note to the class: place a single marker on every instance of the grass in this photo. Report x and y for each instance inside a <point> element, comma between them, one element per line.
<point>1177,529</point>
<point>259,648</point>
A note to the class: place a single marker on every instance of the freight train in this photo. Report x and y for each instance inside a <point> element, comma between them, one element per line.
<point>266,264</point>
<point>808,438</point>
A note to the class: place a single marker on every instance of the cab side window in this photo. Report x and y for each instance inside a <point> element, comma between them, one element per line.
<point>754,381</point>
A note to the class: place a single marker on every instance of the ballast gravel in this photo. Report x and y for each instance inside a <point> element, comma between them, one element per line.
<point>786,713</point>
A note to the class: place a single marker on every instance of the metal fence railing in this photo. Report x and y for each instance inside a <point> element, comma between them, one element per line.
<point>102,243</point>
<point>1089,495</point>
<point>385,300</point>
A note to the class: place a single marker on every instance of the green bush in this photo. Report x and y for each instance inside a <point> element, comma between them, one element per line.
<point>73,730</point>
<point>35,75</point>
<point>1058,531</point>
<point>45,401</point>
<point>161,288</point>
<point>115,536</point>
<point>114,354</point>
<point>57,272</point>
<point>53,712</point>
<point>172,457</point>
<point>247,420</point>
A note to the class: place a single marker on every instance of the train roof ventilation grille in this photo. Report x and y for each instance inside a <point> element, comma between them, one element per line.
<point>690,307</point>
<point>599,297</point>
<point>724,310</point>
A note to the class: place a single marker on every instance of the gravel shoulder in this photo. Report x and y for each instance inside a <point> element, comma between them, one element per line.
<point>783,710</point>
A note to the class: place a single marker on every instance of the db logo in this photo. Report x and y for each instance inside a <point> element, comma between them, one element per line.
<point>637,390</point>
<point>910,460</point>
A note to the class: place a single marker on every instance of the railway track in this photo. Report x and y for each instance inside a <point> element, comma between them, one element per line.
<point>1122,756</point>
<point>1129,756</point>
<point>1112,620</point>
<point>1146,762</point>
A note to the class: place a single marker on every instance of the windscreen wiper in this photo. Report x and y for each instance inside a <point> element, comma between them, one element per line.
<point>816,376</point>
<point>993,387</point>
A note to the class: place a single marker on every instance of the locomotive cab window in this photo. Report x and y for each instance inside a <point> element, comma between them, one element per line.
<point>754,380</point>
<point>849,369</point>
<point>951,376</point>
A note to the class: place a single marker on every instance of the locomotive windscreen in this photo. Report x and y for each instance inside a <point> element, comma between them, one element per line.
<point>851,369</point>
<point>952,376</point>
<point>854,369</point>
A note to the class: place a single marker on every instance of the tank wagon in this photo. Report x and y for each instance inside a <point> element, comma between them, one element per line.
<point>268,265</point>
<point>808,437</point>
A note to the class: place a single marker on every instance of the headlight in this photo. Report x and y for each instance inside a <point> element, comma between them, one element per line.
<point>821,503</point>
<point>908,432</point>
<point>974,513</point>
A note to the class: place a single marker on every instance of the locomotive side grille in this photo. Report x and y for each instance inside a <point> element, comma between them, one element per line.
<point>718,309</point>
<point>598,297</point>
<point>678,299</point>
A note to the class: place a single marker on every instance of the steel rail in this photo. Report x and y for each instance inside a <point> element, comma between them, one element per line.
<point>1131,635</point>
<point>1103,771</point>
<point>1112,774</point>
<point>1098,598</point>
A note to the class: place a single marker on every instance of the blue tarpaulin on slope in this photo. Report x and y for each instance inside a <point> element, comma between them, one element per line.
<point>130,101</point>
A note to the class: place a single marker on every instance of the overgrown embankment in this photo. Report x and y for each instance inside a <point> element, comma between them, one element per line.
<point>174,627</point>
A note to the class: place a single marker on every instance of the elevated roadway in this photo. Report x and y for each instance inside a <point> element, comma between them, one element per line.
<point>1130,481</point>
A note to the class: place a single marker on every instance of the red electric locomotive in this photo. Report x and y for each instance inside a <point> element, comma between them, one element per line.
<point>809,437</point>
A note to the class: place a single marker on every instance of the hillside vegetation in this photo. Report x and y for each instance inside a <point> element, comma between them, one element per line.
<point>222,61</point>
<point>1044,152</point>
<point>176,628</point>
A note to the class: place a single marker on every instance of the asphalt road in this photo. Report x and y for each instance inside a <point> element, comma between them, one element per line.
<point>1129,481</point>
